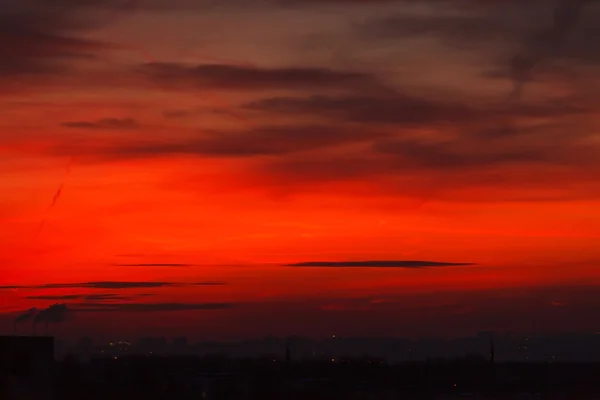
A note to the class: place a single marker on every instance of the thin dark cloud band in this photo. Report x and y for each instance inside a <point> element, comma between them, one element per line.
<point>377,264</point>
<point>110,285</point>
<point>154,265</point>
<point>149,307</point>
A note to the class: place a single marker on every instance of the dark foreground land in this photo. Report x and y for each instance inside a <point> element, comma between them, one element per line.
<point>220,378</point>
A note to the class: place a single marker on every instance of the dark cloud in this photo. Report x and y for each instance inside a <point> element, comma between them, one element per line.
<point>155,265</point>
<point>102,296</point>
<point>95,285</point>
<point>567,15</point>
<point>473,138</point>
<point>236,77</point>
<point>413,111</point>
<point>89,297</point>
<point>370,3</point>
<point>149,307</point>
<point>254,142</point>
<point>105,123</point>
<point>282,140</point>
<point>460,30</point>
<point>377,264</point>
<point>111,285</point>
<point>463,23</point>
<point>486,161</point>
<point>290,139</point>
<point>107,285</point>
<point>393,109</point>
<point>39,39</point>
<point>57,297</point>
<point>536,31</point>
<point>113,296</point>
<point>454,154</point>
<point>135,5</point>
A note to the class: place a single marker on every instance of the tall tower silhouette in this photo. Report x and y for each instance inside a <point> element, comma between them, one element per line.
<point>492,352</point>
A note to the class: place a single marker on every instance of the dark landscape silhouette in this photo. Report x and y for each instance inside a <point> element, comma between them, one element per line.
<point>287,368</point>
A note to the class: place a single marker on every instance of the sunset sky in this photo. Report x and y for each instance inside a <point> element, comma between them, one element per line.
<point>163,162</point>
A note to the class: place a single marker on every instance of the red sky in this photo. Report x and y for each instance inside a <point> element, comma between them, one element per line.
<point>189,142</point>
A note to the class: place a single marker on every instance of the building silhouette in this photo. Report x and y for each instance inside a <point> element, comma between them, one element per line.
<point>27,367</point>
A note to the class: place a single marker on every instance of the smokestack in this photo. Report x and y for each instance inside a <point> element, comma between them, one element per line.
<point>55,314</point>
<point>26,316</point>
